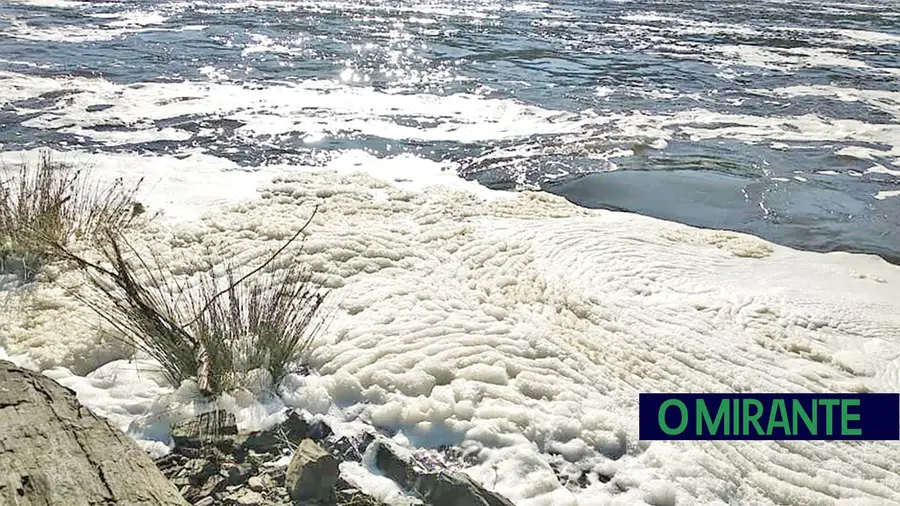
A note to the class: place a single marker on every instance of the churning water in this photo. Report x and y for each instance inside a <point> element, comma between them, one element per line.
<point>779,118</point>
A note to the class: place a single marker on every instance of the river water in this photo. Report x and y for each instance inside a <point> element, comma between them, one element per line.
<point>777,118</point>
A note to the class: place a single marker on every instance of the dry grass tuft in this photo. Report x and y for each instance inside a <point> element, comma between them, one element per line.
<point>53,204</point>
<point>223,332</point>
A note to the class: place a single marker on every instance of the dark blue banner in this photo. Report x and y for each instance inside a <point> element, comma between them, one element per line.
<point>769,416</point>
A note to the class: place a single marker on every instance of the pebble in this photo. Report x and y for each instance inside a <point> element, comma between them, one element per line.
<point>256,484</point>
<point>248,498</point>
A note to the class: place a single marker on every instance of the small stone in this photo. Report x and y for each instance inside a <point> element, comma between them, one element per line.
<point>213,484</point>
<point>206,501</point>
<point>247,498</point>
<point>238,474</point>
<point>312,474</point>
<point>256,484</point>
<point>199,470</point>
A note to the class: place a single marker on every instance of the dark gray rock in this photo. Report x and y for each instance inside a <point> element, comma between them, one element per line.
<point>237,474</point>
<point>230,470</point>
<point>312,474</point>
<point>294,428</point>
<point>347,495</point>
<point>443,488</point>
<point>205,428</point>
<point>41,421</point>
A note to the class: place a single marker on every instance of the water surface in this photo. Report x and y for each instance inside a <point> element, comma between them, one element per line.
<point>778,118</point>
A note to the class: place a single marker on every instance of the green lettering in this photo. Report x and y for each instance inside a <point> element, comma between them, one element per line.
<point>778,408</point>
<point>829,414</point>
<point>704,418</point>
<point>662,417</point>
<point>736,419</point>
<point>797,409</point>
<point>849,417</point>
<point>752,418</point>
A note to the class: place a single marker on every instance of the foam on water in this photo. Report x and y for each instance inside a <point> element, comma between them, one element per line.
<point>522,329</point>
<point>317,112</point>
<point>51,3</point>
<point>311,107</point>
<point>676,25</point>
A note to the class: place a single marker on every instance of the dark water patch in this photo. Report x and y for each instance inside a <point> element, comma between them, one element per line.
<point>113,127</point>
<point>195,124</point>
<point>98,107</point>
<point>825,106</point>
<point>44,101</point>
<point>802,216</point>
<point>747,159</point>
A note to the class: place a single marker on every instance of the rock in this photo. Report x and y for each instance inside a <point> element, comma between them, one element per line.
<point>444,488</point>
<point>256,484</point>
<point>206,501</point>
<point>294,428</point>
<point>206,428</point>
<point>349,448</point>
<point>198,470</point>
<point>40,421</point>
<point>238,474</point>
<point>247,498</point>
<point>349,495</point>
<point>211,486</point>
<point>312,473</point>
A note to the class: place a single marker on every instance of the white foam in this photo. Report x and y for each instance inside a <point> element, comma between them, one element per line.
<point>880,169</point>
<point>703,124</point>
<point>110,25</point>
<point>120,391</point>
<point>318,108</point>
<point>69,4</point>
<point>70,33</point>
<point>20,360</point>
<point>679,25</point>
<point>265,44</point>
<point>663,34</point>
<point>887,101</point>
<point>178,187</point>
<point>783,59</point>
<point>866,36</point>
<point>512,327</point>
<point>366,477</point>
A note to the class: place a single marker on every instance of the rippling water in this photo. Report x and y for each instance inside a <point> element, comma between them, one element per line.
<point>780,118</point>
